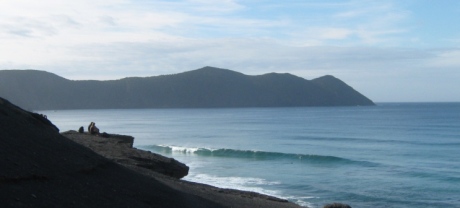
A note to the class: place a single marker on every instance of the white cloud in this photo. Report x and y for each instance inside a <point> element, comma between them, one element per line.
<point>215,6</point>
<point>329,33</point>
<point>445,59</point>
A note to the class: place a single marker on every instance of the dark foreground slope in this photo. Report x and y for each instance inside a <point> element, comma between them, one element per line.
<point>41,168</point>
<point>201,88</point>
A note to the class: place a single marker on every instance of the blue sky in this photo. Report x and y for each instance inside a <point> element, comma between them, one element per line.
<point>391,51</point>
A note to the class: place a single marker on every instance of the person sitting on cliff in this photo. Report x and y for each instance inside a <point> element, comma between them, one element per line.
<point>92,129</point>
<point>89,127</point>
<point>81,130</point>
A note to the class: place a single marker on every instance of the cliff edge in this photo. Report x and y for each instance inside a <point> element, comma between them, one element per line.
<point>42,168</point>
<point>119,148</point>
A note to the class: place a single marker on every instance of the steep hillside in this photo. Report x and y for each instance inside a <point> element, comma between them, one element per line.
<point>341,92</point>
<point>201,88</point>
<point>41,168</point>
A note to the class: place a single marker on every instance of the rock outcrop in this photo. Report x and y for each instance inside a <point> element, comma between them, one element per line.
<point>119,148</point>
<point>337,205</point>
<point>41,168</point>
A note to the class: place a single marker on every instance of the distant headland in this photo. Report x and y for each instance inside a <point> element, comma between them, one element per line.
<point>207,87</point>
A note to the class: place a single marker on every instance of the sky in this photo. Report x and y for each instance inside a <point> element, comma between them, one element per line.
<point>389,50</point>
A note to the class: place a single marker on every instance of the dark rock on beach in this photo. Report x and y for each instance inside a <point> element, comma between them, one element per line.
<point>337,205</point>
<point>41,168</point>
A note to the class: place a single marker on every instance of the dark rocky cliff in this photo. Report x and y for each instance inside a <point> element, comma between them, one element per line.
<point>41,168</point>
<point>207,87</point>
<point>119,148</point>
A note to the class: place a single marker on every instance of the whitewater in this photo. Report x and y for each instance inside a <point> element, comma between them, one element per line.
<point>389,155</point>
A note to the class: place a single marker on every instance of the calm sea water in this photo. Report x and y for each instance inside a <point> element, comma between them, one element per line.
<point>390,155</point>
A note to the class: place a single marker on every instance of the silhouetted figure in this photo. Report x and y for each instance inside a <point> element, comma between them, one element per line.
<point>92,129</point>
<point>89,127</point>
<point>81,130</point>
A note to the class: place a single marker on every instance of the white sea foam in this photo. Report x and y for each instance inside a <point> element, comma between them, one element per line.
<point>188,150</point>
<point>247,184</point>
<point>239,183</point>
<point>302,200</point>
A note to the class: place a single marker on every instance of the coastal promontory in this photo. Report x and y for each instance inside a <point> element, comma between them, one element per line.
<point>208,87</point>
<point>39,167</point>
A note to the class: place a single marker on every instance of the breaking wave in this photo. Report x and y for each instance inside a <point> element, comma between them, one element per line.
<point>254,155</point>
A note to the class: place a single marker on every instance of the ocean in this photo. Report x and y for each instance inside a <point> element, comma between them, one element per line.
<point>389,155</point>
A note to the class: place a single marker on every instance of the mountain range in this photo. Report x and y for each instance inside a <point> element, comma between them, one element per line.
<point>207,87</point>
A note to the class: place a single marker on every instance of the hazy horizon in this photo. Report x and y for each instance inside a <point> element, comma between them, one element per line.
<point>390,51</point>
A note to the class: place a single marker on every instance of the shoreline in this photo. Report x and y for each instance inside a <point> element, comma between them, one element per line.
<point>42,168</point>
<point>119,148</point>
